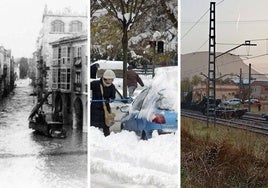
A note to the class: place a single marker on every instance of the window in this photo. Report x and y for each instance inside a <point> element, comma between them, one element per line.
<point>79,52</point>
<point>65,78</point>
<point>64,51</point>
<point>55,56</point>
<point>75,26</point>
<point>69,55</point>
<point>78,77</point>
<point>55,78</point>
<point>68,79</point>
<point>77,84</point>
<point>59,55</point>
<point>55,53</point>
<point>57,26</point>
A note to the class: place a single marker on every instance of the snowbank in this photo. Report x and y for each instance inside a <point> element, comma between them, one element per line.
<point>106,64</point>
<point>122,160</point>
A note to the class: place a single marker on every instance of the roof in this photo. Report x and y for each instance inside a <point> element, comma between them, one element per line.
<point>73,38</point>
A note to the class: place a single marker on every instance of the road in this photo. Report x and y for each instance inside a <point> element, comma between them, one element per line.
<point>28,159</point>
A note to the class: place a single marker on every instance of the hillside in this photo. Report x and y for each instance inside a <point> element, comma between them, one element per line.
<point>194,63</point>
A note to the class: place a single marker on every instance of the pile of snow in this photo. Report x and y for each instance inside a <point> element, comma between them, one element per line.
<point>165,83</point>
<point>106,64</point>
<point>163,92</point>
<point>123,160</point>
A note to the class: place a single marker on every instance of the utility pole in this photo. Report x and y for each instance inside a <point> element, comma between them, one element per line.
<point>240,84</point>
<point>211,65</point>
<point>249,86</point>
<point>211,90</point>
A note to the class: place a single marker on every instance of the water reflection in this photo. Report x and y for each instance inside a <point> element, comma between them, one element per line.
<point>33,160</point>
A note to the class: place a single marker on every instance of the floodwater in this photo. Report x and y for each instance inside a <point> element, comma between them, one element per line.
<point>28,159</point>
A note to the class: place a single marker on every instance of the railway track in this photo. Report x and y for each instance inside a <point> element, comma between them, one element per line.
<point>251,122</point>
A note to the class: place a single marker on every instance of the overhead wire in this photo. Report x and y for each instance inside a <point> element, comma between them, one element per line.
<point>198,69</point>
<point>188,31</point>
<point>243,21</point>
<point>229,21</point>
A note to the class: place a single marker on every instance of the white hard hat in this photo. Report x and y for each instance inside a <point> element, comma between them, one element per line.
<point>109,74</point>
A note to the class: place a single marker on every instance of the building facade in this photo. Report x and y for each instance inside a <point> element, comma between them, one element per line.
<point>56,25</point>
<point>259,89</point>
<point>69,80</point>
<point>7,76</point>
<point>224,90</point>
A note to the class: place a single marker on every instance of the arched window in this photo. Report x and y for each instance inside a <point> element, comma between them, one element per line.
<point>76,26</point>
<point>57,26</point>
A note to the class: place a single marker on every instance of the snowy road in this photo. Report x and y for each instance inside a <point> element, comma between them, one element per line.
<point>122,160</point>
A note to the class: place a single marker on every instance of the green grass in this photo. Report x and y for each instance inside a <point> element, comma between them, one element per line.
<point>222,157</point>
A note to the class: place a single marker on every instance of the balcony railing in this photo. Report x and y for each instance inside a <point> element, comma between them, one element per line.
<point>78,61</point>
<point>77,87</point>
<point>55,63</point>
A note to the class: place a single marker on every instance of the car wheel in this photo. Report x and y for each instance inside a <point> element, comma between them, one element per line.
<point>144,136</point>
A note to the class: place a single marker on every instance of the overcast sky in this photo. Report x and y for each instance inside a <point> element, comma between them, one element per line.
<point>21,21</point>
<point>236,21</point>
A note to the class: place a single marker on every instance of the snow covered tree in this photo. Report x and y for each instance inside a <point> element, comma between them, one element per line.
<point>159,24</point>
<point>136,22</point>
<point>127,12</point>
<point>105,38</point>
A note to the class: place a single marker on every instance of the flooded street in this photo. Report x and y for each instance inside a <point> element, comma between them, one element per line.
<point>28,159</point>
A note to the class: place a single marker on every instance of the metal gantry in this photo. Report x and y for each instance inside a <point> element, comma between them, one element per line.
<point>211,89</point>
<point>211,98</point>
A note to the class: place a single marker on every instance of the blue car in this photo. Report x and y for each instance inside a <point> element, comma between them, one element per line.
<point>152,110</point>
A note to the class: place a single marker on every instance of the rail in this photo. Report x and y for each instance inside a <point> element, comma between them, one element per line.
<point>249,122</point>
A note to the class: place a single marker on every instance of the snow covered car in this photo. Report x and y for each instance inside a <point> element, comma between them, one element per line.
<point>155,108</point>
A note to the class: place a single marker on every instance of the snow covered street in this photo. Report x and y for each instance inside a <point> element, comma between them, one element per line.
<point>123,160</point>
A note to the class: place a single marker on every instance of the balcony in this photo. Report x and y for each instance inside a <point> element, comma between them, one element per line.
<point>77,87</point>
<point>56,63</point>
<point>55,86</point>
<point>78,62</point>
<point>4,71</point>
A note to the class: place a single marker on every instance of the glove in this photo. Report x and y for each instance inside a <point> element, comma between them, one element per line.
<point>108,101</point>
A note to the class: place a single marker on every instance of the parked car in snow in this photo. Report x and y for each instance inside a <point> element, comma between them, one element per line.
<point>155,108</point>
<point>234,101</point>
<point>115,105</point>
